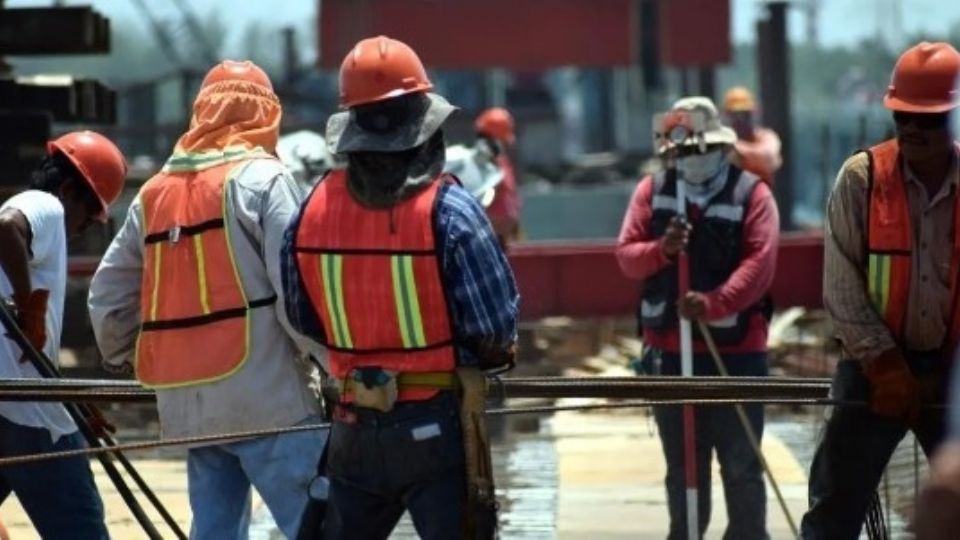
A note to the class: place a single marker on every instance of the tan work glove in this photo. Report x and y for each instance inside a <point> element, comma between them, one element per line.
<point>894,391</point>
<point>32,317</point>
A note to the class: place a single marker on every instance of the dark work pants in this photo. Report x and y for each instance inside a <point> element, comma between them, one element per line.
<point>857,444</point>
<point>383,463</point>
<point>59,495</point>
<point>717,428</point>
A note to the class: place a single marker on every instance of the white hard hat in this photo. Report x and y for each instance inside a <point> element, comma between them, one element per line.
<point>476,170</point>
<point>305,154</point>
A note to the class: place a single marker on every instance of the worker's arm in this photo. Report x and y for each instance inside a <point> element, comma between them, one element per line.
<point>114,299</point>
<point>640,256</point>
<point>857,323</point>
<point>480,286</point>
<point>760,156</point>
<point>264,211</point>
<point>752,278</point>
<point>15,238</point>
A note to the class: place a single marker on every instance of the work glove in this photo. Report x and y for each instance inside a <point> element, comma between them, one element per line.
<point>32,317</point>
<point>895,392</point>
<point>692,306</point>
<point>938,508</point>
<point>101,427</point>
<point>675,239</point>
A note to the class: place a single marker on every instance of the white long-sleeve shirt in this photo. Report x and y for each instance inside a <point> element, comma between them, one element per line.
<point>272,389</point>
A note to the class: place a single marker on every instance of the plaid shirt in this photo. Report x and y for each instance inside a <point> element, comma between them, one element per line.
<point>479,283</point>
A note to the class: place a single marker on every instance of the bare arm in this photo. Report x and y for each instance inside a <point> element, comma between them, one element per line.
<point>15,236</point>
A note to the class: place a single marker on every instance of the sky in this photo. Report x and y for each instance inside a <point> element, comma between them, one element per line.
<point>841,22</point>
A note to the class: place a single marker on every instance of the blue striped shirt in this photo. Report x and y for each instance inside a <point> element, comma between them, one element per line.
<point>479,283</point>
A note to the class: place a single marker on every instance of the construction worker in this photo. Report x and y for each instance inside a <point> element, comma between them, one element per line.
<point>188,297</point>
<point>495,128</point>
<point>395,268</point>
<point>757,149</point>
<point>731,238</point>
<point>82,174</point>
<point>890,286</point>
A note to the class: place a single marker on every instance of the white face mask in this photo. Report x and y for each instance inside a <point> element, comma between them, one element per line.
<point>699,168</point>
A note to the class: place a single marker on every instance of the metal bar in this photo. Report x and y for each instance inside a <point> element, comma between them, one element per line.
<point>47,369</point>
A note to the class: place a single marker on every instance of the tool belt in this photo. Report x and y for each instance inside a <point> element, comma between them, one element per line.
<point>378,389</point>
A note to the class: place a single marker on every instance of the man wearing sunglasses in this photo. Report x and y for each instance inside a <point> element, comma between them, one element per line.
<point>890,286</point>
<point>731,240</point>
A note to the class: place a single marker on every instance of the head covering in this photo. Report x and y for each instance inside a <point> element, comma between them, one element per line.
<point>416,118</point>
<point>714,130</point>
<point>232,113</point>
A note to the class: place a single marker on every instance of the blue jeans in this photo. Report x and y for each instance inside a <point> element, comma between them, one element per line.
<point>857,444</point>
<point>717,428</point>
<point>382,463</point>
<point>280,467</point>
<point>60,496</point>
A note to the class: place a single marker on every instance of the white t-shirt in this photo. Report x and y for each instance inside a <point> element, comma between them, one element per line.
<point>48,270</point>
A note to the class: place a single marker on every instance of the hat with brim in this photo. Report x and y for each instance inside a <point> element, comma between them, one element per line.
<point>714,132</point>
<point>344,133</point>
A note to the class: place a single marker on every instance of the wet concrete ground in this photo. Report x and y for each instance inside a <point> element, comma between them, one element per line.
<point>574,476</point>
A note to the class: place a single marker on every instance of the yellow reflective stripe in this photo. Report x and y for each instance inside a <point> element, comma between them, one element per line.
<point>154,298</point>
<point>201,273</point>
<point>413,301</point>
<point>398,302</point>
<point>407,303</point>
<point>331,275</point>
<point>878,279</point>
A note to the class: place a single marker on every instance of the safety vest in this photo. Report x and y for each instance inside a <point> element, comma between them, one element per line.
<point>713,249</point>
<point>890,246</point>
<point>195,314</point>
<point>373,277</point>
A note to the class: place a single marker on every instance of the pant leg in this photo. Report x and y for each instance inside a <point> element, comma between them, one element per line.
<point>59,496</point>
<point>281,469</point>
<point>220,496</point>
<point>849,462</point>
<point>427,467</point>
<point>359,506</point>
<point>670,428</point>
<point>741,471</point>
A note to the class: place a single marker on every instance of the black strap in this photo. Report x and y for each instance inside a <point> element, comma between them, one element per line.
<point>188,230</point>
<point>188,322</point>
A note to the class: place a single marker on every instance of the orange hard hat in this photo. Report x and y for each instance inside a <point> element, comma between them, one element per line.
<point>924,80</point>
<point>99,161</point>
<point>380,68</point>
<point>237,70</point>
<point>739,99</point>
<point>496,123</point>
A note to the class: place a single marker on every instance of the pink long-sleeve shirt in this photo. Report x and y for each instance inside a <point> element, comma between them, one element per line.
<point>641,256</point>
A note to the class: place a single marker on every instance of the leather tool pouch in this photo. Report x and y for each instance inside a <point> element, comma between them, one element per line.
<point>374,388</point>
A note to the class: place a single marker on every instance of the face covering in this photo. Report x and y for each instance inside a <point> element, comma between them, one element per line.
<point>699,168</point>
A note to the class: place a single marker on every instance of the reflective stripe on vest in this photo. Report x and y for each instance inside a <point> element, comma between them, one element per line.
<point>889,242</point>
<point>195,313</point>
<point>374,280</point>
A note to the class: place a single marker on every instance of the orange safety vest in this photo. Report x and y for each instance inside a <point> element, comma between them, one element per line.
<point>889,242</point>
<point>373,277</point>
<point>195,314</point>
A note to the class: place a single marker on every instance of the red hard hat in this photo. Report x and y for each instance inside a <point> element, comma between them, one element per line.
<point>99,161</point>
<point>924,80</point>
<point>380,68</point>
<point>496,123</point>
<point>237,70</point>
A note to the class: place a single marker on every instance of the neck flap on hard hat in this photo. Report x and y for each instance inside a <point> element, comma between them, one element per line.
<point>232,120</point>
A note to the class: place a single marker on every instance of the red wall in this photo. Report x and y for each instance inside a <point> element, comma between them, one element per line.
<point>695,32</point>
<point>515,34</point>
